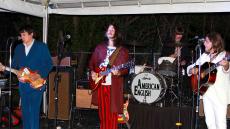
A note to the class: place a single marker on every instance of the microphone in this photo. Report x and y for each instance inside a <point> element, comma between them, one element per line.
<point>201,40</point>
<point>66,37</point>
<point>197,38</point>
<point>194,38</point>
<point>200,43</point>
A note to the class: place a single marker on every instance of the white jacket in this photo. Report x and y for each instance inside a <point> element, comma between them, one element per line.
<point>221,87</point>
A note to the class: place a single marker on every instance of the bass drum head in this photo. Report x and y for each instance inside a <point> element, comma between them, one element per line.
<point>148,87</point>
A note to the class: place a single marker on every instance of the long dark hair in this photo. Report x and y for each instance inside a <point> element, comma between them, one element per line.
<point>217,41</point>
<point>117,36</point>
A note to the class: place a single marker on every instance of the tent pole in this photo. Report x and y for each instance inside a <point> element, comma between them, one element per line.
<point>45,33</point>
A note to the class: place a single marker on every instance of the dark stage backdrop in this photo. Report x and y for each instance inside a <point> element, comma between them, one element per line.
<point>149,117</point>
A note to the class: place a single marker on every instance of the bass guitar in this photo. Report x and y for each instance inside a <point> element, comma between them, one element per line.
<point>27,76</point>
<point>102,72</point>
<point>207,76</point>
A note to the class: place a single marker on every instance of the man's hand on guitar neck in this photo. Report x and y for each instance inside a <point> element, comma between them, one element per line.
<point>115,72</point>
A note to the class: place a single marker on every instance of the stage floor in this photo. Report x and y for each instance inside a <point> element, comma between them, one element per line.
<point>89,120</point>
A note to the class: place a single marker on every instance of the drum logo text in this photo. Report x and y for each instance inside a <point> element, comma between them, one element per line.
<point>144,89</point>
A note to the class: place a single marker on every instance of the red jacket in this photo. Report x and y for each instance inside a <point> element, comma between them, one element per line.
<point>97,58</point>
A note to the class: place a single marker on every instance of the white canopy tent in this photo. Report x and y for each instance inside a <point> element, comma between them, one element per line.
<point>43,8</point>
<point>103,7</point>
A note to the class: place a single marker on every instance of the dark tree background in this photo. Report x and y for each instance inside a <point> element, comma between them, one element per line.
<point>147,32</point>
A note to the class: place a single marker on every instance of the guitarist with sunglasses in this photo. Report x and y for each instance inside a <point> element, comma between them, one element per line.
<point>215,80</point>
<point>108,92</point>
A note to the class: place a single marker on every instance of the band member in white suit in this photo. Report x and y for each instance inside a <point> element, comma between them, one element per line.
<point>217,97</point>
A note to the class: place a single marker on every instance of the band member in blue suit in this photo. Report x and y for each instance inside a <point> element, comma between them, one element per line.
<point>34,55</point>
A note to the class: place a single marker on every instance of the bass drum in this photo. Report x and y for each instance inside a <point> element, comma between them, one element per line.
<point>148,87</point>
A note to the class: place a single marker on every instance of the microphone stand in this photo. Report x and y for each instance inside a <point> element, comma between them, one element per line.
<point>10,83</point>
<point>57,78</point>
<point>179,123</point>
<point>198,49</point>
<point>193,98</point>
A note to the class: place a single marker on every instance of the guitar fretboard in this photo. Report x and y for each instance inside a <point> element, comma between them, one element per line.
<point>12,70</point>
<point>214,66</point>
<point>127,65</point>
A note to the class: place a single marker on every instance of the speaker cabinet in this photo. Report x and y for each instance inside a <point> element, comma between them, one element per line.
<point>84,98</point>
<point>64,94</point>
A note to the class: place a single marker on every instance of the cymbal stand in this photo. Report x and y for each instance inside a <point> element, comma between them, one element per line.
<point>173,95</point>
<point>179,123</point>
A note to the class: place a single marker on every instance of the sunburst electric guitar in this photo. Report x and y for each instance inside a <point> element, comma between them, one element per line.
<point>124,117</point>
<point>27,76</point>
<point>207,76</point>
<point>102,72</point>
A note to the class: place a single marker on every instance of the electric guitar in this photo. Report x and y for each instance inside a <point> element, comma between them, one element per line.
<point>124,117</point>
<point>102,72</point>
<point>207,76</point>
<point>27,76</point>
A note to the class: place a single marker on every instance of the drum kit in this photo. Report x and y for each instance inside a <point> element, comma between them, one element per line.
<point>149,86</point>
<point>156,84</point>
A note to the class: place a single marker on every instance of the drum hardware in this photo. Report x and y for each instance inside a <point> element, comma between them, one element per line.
<point>141,68</point>
<point>3,92</point>
<point>170,68</point>
<point>172,93</point>
<point>155,60</point>
<point>167,66</point>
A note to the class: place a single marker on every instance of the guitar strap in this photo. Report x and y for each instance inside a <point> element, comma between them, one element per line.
<point>214,57</point>
<point>111,61</point>
<point>113,57</point>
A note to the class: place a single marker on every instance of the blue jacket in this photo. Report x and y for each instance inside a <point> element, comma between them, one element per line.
<point>38,59</point>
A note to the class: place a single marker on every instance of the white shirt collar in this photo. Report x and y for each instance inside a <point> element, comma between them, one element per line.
<point>27,48</point>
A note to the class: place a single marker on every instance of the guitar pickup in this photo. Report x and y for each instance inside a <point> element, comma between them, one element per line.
<point>26,71</point>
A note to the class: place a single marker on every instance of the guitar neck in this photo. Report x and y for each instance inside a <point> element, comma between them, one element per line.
<point>213,67</point>
<point>12,70</point>
<point>117,68</point>
<point>109,70</point>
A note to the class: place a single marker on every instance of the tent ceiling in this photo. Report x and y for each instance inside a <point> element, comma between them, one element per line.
<point>23,7</point>
<point>3,10</point>
<point>111,3</point>
<point>110,7</point>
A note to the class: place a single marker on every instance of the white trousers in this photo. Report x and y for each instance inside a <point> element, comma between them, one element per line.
<point>215,113</point>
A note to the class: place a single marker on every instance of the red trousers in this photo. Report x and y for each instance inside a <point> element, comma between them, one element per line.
<point>108,119</point>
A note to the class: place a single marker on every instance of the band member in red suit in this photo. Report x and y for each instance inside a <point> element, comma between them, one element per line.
<point>109,94</point>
